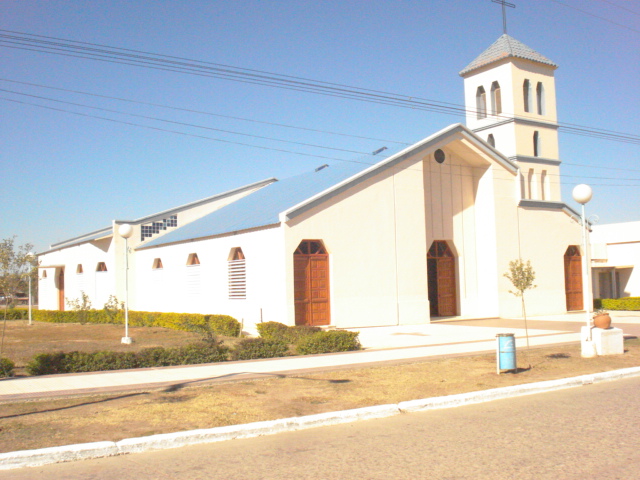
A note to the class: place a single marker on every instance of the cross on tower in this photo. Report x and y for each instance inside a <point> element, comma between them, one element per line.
<point>504,12</point>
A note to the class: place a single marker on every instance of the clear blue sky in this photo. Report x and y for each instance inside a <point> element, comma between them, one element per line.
<point>64,175</point>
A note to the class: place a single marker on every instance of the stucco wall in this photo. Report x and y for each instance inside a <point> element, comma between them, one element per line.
<point>178,287</point>
<point>97,285</point>
<point>541,236</point>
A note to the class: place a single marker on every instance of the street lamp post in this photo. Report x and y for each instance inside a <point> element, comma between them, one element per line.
<point>582,194</point>
<point>126,231</point>
<point>29,258</point>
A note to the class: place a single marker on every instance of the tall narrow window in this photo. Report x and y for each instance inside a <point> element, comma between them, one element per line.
<point>101,267</point>
<point>237,275</point>
<point>79,270</point>
<point>193,259</point>
<point>526,95</point>
<point>496,99</point>
<point>481,103</point>
<point>544,186</point>
<point>531,184</point>
<point>536,144</point>
<point>491,141</point>
<point>523,191</point>
<point>540,98</point>
<point>157,264</point>
<point>44,274</point>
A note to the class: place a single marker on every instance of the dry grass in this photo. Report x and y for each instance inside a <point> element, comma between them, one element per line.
<point>44,423</point>
<point>22,341</point>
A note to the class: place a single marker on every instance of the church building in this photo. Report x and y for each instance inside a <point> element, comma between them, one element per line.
<point>422,235</point>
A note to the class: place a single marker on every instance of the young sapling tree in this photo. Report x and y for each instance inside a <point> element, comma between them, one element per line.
<point>521,276</point>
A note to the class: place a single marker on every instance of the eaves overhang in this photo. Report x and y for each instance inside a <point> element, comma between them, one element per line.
<point>549,205</point>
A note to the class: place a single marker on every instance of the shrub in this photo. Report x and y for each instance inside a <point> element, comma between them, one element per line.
<point>280,331</point>
<point>329,342</point>
<point>219,324</point>
<point>251,348</point>
<point>15,314</point>
<point>626,303</point>
<point>272,330</point>
<point>6,367</point>
<point>297,333</point>
<point>76,362</point>
<point>224,325</point>
<point>198,353</point>
<point>47,364</point>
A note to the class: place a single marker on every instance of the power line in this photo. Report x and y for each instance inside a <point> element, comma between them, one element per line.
<point>148,117</point>
<point>176,131</point>
<point>621,7</point>
<point>208,69</point>
<point>597,16</point>
<point>324,157</point>
<point>202,112</point>
<point>245,119</point>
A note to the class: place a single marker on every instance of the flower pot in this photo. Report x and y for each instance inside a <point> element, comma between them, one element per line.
<point>602,321</point>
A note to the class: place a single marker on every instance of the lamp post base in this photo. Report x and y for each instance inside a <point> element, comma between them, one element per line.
<point>127,340</point>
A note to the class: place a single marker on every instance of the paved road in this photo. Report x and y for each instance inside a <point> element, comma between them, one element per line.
<point>590,432</point>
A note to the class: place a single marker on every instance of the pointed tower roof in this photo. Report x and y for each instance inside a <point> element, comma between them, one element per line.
<point>506,47</point>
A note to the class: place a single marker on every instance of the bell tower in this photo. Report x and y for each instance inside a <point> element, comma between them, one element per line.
<point>510,99</point>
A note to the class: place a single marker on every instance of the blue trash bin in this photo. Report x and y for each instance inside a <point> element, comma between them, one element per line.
<point>506,351</point>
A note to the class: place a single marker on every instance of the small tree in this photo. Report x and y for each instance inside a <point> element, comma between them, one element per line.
<point>15,267</point>
<point>114,309</point>
<point>522,276</point>
<point>81,306</point>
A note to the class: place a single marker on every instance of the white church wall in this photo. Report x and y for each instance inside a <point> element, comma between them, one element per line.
<point>375,237</point>
<point>96,285</point>
<point>541,236</point>
<point>204,288</point>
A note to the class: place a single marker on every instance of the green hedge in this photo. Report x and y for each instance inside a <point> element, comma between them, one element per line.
<point>219,324</point>
<point>16,313</point>
<point>6,367</point>
<point>626,303</point>
<point>329,341</point>
<point>280,331</point>
<point>251,348</point>
<point>74,362</point>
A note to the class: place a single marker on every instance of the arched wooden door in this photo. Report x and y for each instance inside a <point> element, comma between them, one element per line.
<point>311,283</point>
<point>441,272</point>
<point>573,278</point>
<point>61,290</point>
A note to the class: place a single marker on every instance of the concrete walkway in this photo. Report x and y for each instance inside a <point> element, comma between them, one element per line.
<point>381,344</point>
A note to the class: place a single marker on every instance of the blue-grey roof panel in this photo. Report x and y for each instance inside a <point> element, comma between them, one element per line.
<point>263,206</point>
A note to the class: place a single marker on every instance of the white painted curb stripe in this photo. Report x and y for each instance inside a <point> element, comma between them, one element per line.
<point>33,458</point>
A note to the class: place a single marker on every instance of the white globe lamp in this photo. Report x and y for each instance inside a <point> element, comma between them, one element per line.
<point>582,193</point>
<point>125,230</point>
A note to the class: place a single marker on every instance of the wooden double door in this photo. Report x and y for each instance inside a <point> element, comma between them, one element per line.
<point>441,275</point>
<point>311,284</point>
<point>573,278</point>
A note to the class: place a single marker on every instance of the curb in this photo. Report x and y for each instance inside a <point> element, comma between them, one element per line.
<point>68,453</point>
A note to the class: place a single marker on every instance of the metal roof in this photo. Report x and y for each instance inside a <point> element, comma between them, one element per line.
<point>108,231</point>
<point>506,47</point>
<point>298,194</point>
<point>262,207</point>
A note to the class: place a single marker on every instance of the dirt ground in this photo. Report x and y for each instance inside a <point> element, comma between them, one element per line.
<point>45,423</point>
